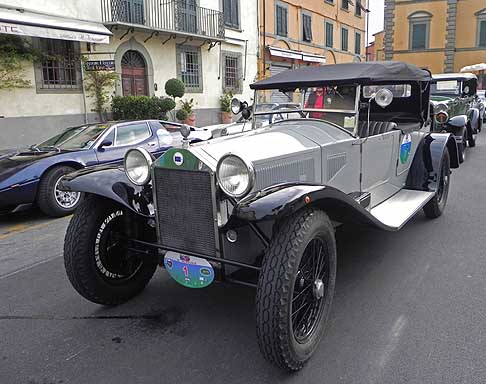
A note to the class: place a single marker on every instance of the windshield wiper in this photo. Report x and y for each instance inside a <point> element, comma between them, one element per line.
<point>34,147</point>
<point>48,147</point>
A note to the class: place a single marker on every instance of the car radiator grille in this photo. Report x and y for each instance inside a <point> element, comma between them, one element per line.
<point>185,210</point>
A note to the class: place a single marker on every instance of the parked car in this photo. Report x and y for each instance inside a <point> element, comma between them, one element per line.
<point>454,108</point>
<point>260,208</point>
<point>31,175</point>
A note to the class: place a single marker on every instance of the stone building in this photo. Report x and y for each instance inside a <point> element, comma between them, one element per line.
<point>442,35</point>
<point>296,33</point>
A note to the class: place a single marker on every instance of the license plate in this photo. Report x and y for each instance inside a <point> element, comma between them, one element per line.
<point>189,271</point>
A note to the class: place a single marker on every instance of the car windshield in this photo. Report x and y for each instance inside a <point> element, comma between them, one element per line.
<point>445,87</point>
<point>336,104</point>
<point>75,138</point>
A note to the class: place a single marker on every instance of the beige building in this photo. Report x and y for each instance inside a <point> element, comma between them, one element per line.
<point>297,33</point>
<point>442,35</point>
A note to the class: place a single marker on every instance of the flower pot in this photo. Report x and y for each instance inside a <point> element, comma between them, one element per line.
<point>226,117</point>
<point>191,120</point>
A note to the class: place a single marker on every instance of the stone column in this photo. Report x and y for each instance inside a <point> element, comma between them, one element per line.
<point>450,47</point>
<point>389,29</point>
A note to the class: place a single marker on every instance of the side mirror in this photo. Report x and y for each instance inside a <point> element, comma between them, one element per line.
<point>103,144</point>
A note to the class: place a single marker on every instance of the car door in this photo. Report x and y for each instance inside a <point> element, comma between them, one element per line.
<point>378,165</point>
<point>124,137</point>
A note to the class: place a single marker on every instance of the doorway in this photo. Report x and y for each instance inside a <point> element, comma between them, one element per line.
<point>134,74</point>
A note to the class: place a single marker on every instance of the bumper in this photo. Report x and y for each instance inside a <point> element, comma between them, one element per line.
<point>16,195</point>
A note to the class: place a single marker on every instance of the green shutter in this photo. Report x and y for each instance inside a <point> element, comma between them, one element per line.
<point>419,36</point>
<point>482,33</point>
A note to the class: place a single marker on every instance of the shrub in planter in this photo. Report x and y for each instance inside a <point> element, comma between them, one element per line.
<point>182,115</point>
<point>225,103</point>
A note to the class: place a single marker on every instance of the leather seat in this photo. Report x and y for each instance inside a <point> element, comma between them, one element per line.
<point>375,128</point>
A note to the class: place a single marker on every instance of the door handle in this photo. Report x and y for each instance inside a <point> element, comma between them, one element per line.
<point>152,144</point>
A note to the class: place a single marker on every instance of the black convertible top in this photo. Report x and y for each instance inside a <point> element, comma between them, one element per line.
<point>345,74</point>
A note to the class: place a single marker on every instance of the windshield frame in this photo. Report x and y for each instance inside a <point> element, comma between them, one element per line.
<point>302,108</point>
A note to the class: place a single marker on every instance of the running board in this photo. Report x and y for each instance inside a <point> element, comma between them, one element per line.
<point>401,207</point>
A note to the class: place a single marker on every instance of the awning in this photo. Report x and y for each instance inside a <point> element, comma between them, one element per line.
<point>474,68</point>
<point>298,55</point>
<point>29,23</point>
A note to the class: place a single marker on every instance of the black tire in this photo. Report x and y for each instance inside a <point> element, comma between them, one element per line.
<point>471,141</point>
<point>462,150</point>
<point>279,281</point>
<point>99,267</point>
<point>46,194</point>
<point>435,207</point>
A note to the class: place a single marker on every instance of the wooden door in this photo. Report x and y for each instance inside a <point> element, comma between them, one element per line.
<point>134,74</point>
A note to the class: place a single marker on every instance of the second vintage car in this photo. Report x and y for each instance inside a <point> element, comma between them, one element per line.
<point>259,208</point>
<point>455,109</point>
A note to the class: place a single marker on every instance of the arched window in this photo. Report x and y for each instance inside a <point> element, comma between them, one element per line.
<point>419,23</point>
<point>134,74</point>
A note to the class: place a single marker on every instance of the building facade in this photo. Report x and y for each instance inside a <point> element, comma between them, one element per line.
<point>442,35</point>
<point>207,44</point>
<point>296,33</point>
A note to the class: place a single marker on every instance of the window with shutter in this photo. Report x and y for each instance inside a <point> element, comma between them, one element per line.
<point>329,35</point>
<point>344,39</point>
<point>482,33</point>
<point>231,11</point>
<point>306,28</point>
<point>345,4</point>
<point>357,43</point>
<point>419,30</point>
<point>419,36</point>
<point>281,20</point>
<point>357,11</point>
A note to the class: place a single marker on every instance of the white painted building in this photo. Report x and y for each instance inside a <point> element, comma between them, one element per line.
<point>211,45</point>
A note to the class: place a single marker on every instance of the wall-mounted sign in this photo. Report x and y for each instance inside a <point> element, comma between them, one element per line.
<point>100,65</point>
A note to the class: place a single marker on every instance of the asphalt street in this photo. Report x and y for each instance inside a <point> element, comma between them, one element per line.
<point>410,307</point>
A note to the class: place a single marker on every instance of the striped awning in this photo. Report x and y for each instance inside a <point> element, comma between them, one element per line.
<point>17,21</point>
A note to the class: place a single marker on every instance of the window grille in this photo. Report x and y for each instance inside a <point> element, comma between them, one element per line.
<point>190,71</point>
<point>232,74</point>
<point>62,68</point>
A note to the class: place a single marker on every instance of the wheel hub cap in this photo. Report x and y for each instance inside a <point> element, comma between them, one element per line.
<point>318,289</point>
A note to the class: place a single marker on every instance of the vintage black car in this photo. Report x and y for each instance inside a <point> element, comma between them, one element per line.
<point>455,108</point>
<point>260,207</point>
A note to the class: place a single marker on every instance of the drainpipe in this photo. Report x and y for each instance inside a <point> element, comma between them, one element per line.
<point>84,95</point>
<point>264,41</point>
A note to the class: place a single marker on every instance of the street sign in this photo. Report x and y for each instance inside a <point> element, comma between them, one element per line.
<point>100,65</point>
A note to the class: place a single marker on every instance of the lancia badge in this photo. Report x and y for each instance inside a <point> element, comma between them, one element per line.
<point>178,159</point>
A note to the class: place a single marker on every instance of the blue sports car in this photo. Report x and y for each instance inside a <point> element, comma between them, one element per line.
<point>32,175</point>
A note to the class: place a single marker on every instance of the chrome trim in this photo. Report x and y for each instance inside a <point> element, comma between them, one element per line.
<point>148,158</point>
<point>251,174</point>
<point>441,122</point>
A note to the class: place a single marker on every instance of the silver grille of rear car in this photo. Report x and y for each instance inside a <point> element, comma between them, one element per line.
<point>185,212</point>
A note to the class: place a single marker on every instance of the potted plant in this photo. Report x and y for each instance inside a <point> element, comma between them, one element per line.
<point>225,102</point>
<point>190,117</point>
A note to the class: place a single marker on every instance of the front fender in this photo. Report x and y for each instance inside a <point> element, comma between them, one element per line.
<point>425,170</point>
<point>473,117</point>
<point>278,202</point>
<point>111,182</point>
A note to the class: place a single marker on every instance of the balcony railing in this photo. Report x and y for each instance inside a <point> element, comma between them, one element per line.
<point>182,16</point>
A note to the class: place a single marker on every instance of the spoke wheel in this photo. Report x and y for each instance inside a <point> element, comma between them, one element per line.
<point>309,290</point>
<point>295,289</point>
<point>435,207</point>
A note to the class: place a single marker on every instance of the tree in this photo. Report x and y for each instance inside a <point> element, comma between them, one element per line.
<point>97,84</point>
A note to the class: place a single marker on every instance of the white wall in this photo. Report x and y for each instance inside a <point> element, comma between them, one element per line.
<point>78,9</point>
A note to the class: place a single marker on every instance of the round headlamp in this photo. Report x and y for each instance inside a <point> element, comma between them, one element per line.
<point>137,165</point>
<point>235,177</point>
<point>441,117</point>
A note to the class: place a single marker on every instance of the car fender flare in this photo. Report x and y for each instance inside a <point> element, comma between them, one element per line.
<point>457,124</point>
<point>425,169</point>
<point>111,182</point>
<point>279,202</point>
<point>473,117</point>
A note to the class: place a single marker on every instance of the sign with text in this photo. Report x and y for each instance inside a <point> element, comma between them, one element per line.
<point>100,65</point>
